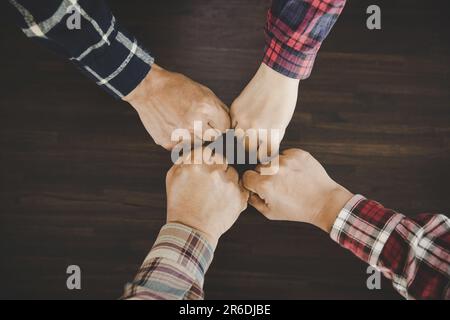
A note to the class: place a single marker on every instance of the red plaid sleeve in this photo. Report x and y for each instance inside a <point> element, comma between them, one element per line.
<point>175,267</point>
<point>295,30</point>
<point>412,252</point>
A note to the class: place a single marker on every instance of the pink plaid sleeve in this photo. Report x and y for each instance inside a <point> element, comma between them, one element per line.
<point>412,252</point>
<point>295,30</point>
<point>175,267</point>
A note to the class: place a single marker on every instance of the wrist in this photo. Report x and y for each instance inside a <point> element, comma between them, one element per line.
<point>336,199</point>
<point>209,237</point>
<point>273,77</point>
<point>148,85</point>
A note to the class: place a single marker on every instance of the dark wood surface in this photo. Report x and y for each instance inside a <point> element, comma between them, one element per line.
<point>82,183</point>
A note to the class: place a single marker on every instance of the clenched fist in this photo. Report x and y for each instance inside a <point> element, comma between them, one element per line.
<point>166,101</point>
<point>268,102</point>
<point>206,197</point>
<point>301,191</point>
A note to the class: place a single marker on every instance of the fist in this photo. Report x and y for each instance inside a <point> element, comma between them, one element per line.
<point>301,191</point>
<point>268,102</point>
<point>206,197</point>
<point>166,101</point>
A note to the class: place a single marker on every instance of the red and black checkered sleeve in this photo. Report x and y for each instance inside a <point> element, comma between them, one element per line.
<point>295,30</point>
<point>412,252</point>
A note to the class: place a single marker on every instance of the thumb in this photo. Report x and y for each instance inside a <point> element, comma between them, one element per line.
<point>250,180</point>
<point>219,119</point>
<point>258,203</point>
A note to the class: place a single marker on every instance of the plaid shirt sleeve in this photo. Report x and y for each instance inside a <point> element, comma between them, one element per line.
<point>97,45</point>
<point>412,252</point>
<point>295,30</point>
<point>175,267</point>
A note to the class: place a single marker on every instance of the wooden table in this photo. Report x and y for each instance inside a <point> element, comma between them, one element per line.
<point>82,182</point>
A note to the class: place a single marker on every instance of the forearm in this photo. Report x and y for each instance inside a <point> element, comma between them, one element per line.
<point>100,47</point>
<point>295,30</point>
<point>412,252</point>
<point>175,267</point>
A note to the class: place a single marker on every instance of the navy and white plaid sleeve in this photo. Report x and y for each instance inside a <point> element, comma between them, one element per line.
<point>86,32</point>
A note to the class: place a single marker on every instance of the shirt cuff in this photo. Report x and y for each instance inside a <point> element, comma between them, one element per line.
<point>184,246</point>
<point>175,267</point>
<point>282,52</point>
<point>363,226</point>
<point>119,65</point>
<point>286,61</point>
<point>294,34</point>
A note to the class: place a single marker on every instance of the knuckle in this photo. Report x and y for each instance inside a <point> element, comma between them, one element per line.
<point>247,176</point>
<point>236,104</point>
<point>297,153</point>
<point>306,154</point>
<point>233,177</point>
<point>245,123</point>
<point>205,105</point>
<point>269,216</point>
<point>172,171</point>
<point>242,121</point>
<point>233,116</point>
<point>165,145</point>
<point>265,182</point>
<point>198,167</point>
<point>215,173</point>
<point>265,185</point>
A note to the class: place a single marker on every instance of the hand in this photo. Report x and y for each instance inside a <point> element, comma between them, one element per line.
<point>301,191</point>
<point>166,101</point>
<point>268,102</point>
<point>206,197</point>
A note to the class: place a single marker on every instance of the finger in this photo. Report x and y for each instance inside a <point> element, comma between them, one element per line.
<point>214,159</point>
<point>293,152</point>
<point>224,106</point>
<point>251,180</point>
<point>234,123</point>
<point>168,145</point>
<point>171,172</point>
<point>245,194</point>
<point>261,166</point>
<point>186,158</point>
<point>299,156</point>
<point>220,119</point>
<point>211,134</point>
<point>193,156</point>
<point>258,203</point>
<point>232,174</point>
<point>269,144</point>
<point>239,132</point>
<point>196,135</point>
<point>264,151</point>
<point>250,141</point>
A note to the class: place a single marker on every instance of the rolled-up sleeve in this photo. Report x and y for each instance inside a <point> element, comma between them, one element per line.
<point>414,253</point>
<point>175,267</point>
<point>295,30</point>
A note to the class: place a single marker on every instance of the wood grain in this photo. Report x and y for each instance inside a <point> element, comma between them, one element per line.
<point>82,182</point>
